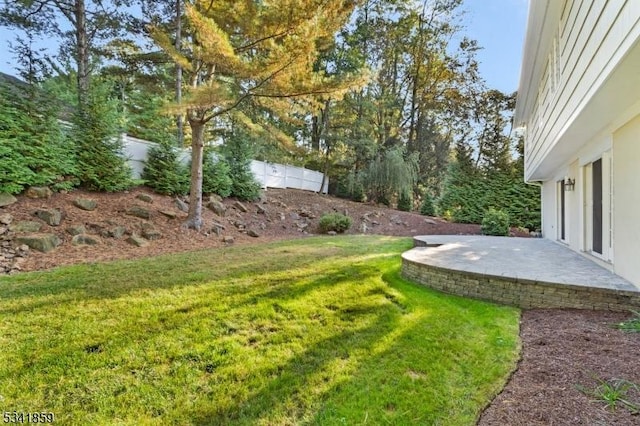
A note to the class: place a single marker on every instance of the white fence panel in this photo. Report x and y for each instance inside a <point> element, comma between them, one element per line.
<point>269,175</point>
<point>294,178</point>
<point>273,175</point>
<point>135,150</point>
<point>312,181</point>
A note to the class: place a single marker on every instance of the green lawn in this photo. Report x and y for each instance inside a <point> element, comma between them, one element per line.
<point>313,331</point>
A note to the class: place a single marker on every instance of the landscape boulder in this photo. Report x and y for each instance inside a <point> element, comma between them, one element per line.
<point>11,256</point>
<point>168,213</point>
<point>137,241</point>
<point>252,233</point>
<point>39,192</point>
<point>116,232</point>
<point>40,242</point>
<point>140,212</point>
<point>181,205</point>
<point>217,207</point>
<point>6,219</point>
<point>85,239</point>
<point>76,229</point>
<point>303,212</point>
<point>7,199</point>
<point>51,217</point>
<point>150,232</point>
<point>85,204</point>
<point>145,197</point>
<point>25,226</point>
<point>238,205</point>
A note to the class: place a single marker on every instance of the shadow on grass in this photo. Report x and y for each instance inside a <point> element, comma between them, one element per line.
<point>441,364</point>
<point>292,385</point>
<point>175,315</point>
<point>282,287</point>
<point>119,278</point>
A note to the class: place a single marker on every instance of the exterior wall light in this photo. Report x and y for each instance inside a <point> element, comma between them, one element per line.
<point>569,184</point>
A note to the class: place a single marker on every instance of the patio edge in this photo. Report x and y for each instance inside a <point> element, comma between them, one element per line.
<point>517,292</point>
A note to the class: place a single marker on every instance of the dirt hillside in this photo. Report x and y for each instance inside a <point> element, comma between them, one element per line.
<point>279,214</point>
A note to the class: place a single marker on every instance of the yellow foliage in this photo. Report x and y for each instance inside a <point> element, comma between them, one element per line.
<point>264,50</point>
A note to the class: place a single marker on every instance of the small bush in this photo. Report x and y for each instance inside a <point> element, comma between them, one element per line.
<point>334,222</point>
<point>631,325</point>
<point>163,171</point>
<point>237,151</point>
<point>427,208</point>
<point>405,203</point>
<point>495,222</point>
<point>216,175</point>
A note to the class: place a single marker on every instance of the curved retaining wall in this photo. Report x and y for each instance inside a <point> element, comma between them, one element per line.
<point>518,292</point>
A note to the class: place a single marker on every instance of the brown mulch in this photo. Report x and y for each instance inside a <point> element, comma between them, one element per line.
<point>561,351</point>
<point>560,348</point>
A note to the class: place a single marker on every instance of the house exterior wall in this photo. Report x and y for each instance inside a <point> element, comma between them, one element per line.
<point>626,158</point>
<point>573,207</point>
<point>549,208</point>
<point>578,106</point>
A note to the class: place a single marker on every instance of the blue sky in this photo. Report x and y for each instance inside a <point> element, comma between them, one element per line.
<point>497,25</point>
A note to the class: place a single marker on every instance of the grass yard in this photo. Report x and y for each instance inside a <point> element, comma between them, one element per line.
<point>312,331</point>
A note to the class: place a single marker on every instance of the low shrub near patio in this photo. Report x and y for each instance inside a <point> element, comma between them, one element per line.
<point>336,222</point>
<point>632,325</point>
<point>315,331</point>
<point>495,222</point>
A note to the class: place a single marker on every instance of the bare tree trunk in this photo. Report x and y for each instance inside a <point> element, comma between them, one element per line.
<point>328,145</point>
<point>194,219</point>
<point>325,169</point>
<point>82,52</point>
<point>179,117</point>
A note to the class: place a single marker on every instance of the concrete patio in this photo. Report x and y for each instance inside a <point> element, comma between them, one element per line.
<point>525,272</point>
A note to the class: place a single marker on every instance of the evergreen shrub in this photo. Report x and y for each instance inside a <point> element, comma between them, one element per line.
<point>405,203</point>
<point>350,187</point>
<point>216,175</point>
<point>96,131</point>
<point>237,152</point>
<point>336,222</point>
<point>495,222</point>
<point>427,207</point>
<point>34,151</point>
<point>163,171</point>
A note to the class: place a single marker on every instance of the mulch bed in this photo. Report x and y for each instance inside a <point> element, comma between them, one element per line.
<point>563,350</point>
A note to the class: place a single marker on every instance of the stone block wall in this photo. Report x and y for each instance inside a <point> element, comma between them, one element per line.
<point>522,293</point>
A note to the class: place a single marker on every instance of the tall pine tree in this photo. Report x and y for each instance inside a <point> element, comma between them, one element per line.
<point>247,50</point>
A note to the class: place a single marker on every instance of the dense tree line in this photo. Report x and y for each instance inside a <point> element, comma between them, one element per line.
<point>383,96</point>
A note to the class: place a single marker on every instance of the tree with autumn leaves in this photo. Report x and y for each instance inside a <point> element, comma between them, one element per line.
<point>239,52</point>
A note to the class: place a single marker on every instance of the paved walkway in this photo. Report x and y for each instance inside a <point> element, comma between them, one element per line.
<point>533,259</point>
